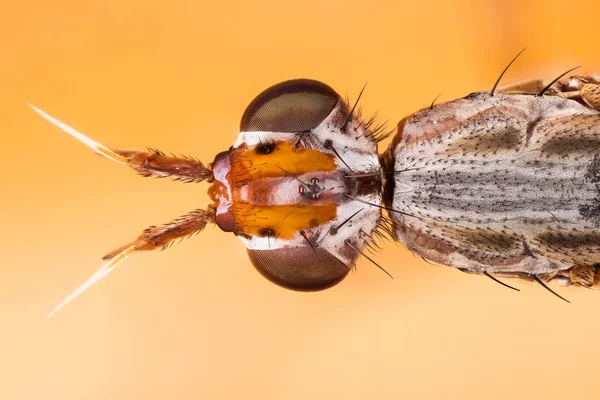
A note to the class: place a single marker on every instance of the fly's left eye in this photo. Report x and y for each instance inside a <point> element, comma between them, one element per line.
<point>292,106</point>
<point>304,269</point>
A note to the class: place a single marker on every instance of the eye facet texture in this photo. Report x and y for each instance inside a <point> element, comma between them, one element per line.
<point>303,269</point>
<point>292,106</point>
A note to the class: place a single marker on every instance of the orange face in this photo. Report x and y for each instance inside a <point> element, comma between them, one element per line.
<point>265,190</point>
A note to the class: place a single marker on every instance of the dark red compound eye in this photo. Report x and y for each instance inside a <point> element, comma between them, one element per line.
<point>304,269</point>
<point>297,105</point>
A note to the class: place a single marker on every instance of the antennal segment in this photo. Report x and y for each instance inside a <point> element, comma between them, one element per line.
<point>152,238</point>
<point>153,162</point>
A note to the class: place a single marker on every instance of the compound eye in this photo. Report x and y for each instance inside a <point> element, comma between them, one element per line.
<point>292,106</point>
<point>303,269</point>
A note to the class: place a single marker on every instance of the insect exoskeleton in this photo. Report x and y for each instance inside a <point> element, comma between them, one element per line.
<point>505,183</point>
<point>302,187</point>
<point>292,186</point>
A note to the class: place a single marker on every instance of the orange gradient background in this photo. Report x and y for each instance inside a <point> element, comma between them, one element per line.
<point>197,321</point>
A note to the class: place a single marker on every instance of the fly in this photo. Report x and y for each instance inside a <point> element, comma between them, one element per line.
<point>499,183</point>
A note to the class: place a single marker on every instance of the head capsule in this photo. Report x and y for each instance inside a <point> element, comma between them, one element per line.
<point>282,189</point>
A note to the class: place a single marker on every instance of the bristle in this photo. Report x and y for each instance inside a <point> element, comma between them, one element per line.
<point>377,130</point>
<point>352,246</point>
<point>496,280</point>
<point>335,229</point>
<point>329,145</point>
<point>350,115</point>
<point>381,207</point>
<point>548,86</point>
<point>503,72</point>
<point>538,280</point>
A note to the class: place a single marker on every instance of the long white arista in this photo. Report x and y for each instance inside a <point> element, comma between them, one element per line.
<point>92,144</point>
<point>106,152</point>
<point>101,273</point>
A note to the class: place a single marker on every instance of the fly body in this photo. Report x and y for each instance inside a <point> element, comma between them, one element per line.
<point>504,184</point>
<point>501,183</point>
